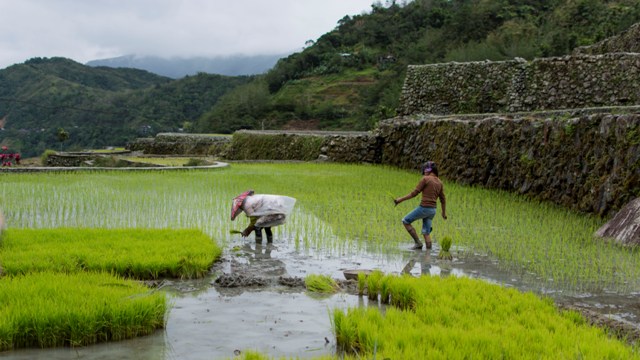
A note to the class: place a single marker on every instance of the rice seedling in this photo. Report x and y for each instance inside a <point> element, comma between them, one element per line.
<point>445,245</point>
<point>385,290</point>
<point>137,253</point>
<point>403,293</point>
<point>467,318</point>
<point>51,310</point>
<point>373,284</point>
<point>321,284</point>
<point>338,216</point>
<point>362,283</point>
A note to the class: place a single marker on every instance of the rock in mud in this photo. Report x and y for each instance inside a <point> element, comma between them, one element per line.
<point>239,280</point>
<point>624,228</point>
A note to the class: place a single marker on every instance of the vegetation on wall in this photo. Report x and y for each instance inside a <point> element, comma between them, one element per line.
<point>380,44</point>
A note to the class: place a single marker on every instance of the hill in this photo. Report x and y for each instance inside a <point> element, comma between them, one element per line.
<point>348,79</point>
<point>361,63</point>
<point>97,106</point>
<point>179,67</point>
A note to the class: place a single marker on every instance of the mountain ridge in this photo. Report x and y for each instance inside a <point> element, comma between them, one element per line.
<point>178,67</point>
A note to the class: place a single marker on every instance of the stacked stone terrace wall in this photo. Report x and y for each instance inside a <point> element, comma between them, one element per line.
<point>181,144</point>
<point>568,82</point>
<point>347,147</point>
<point>627,41</point>
<point>587,162</point>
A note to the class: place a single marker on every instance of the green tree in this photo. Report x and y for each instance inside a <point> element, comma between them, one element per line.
<point>62,135</point>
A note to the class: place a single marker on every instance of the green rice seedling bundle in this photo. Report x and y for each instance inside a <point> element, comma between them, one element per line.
<point>373,284</point>
<point>321,284</point>
<point>467,318</point>
<point>51,310</point>
<point>402,292</point>
<point>385,290</point>
<point>362,283</point>
<point>136,253</point>
<point>445,245</point>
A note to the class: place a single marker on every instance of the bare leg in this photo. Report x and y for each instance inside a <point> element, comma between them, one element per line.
<point>414,235</point>
<point>427,240</point>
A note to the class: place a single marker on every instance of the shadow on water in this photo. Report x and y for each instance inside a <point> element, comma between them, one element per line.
<point>207,321</point>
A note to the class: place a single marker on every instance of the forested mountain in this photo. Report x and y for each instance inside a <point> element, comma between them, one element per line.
<point>351,77</point>
<point>97,106</point>
<point>348,79</point>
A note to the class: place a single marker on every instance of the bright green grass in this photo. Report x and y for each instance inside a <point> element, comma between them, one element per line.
<point>100,151</point>
<point>49,310</point>
<point>340,207</point>
<point>136,253</point>
<point>166,161</point>
<point>462,318</point>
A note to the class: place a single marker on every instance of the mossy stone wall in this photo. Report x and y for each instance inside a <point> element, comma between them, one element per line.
<point>590,162</point>
<point>349,147</point>
<point>584,160</point>
<point>569,82</point>
<point>181,144</point>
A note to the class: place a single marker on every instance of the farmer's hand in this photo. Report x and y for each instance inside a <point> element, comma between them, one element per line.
<point>444,216</point>
<point>246,232</point>
<point>396,201</point>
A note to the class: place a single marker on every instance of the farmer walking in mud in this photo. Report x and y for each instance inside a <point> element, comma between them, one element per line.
<point>264,212</point>
<point>432,189</point>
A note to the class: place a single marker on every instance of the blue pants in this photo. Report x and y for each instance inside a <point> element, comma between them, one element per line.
<point>424,213</point>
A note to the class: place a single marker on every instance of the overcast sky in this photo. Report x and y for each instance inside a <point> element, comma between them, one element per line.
<point>85,30</point>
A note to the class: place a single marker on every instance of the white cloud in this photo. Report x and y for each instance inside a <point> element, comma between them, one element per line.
<point>86,30</point>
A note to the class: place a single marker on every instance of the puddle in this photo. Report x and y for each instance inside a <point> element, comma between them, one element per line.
<point>211,322</point>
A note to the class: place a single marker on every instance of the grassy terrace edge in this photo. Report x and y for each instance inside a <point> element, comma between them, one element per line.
<point>143,254</point>
<point>57,290</point>
<point>53,309</point>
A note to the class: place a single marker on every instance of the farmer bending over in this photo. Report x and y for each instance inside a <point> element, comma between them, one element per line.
<point>264,211</point>
<point>432,189</point>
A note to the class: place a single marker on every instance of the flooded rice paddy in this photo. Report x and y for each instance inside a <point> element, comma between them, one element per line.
<point>212,322</point>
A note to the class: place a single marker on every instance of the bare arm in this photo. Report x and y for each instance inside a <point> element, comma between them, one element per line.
<point>246,232</point>
<point>443,202</point>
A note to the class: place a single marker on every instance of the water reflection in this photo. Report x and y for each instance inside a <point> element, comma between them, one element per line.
<point>423,259</point>
<point>262,262</point>
<point>210,323</point>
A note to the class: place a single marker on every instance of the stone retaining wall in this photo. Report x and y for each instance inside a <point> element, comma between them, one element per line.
<point>627,41</point>
<point>567,82</point>
<point>349,147</point>
<point>589,163</point>
<point>70,160</point>
<point>181,144</point>
<point>584,160</point>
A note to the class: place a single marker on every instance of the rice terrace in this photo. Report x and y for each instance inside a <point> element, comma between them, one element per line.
<point>80,227</point>
<point>131,255</point>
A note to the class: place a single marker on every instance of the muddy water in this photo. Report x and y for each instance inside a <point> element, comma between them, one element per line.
<point>211,322</point>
